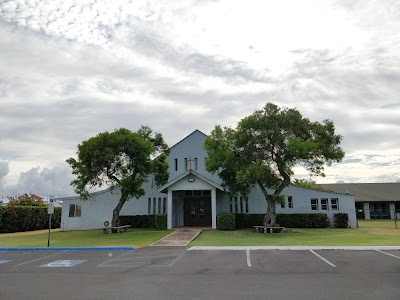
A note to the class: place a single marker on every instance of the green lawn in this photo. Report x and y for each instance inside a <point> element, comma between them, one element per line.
<point>89,238</point>
<point>369,233</point>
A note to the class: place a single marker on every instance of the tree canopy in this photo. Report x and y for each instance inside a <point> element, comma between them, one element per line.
<point>265,147</point>
<point>121,159</point>
<point>26,200</point>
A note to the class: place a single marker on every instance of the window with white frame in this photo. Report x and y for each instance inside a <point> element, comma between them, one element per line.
<point>186,164</point>
<point>290,201</point>
<point>176,164</point>
<point>149,206</point>
<point>239,205</point>
<point>154,205</point>
<point>324,204</point>
<point>196,163</point>
<point>159,205</point>
<point>334,203</point>
<point>164,205</point>
<point>74,210</point>
<point>314,204</point>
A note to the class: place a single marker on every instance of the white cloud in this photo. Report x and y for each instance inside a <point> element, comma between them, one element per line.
<point>43,182</point>
<point>71,69</point>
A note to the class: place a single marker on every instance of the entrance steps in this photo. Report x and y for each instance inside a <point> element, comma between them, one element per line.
<point>180,237</point>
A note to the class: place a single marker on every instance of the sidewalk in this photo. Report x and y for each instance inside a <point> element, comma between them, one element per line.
<point>180,237</point>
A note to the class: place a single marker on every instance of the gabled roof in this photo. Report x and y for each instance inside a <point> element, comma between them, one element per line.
<point>187,173</point>
<point>189,136</point>
<point>365,192</point>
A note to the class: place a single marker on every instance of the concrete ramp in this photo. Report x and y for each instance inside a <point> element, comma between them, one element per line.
<point>180,237</point>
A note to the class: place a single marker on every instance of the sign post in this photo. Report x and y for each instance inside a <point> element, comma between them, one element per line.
<point>50,211</point>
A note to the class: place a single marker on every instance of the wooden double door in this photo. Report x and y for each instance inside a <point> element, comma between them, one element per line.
<point>197,211</point>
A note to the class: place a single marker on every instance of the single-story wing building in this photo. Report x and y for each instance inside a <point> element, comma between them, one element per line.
<point>193,196</point>
<point>373,200</point>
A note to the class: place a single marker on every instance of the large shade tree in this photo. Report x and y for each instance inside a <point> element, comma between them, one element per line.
<point>265,147</point>
<point>121,160</point>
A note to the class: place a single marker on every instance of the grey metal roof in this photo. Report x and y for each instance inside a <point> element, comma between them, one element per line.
<point>365,192</point>
<point>165,187</point>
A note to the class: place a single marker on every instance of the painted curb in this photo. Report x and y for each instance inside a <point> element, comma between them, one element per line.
<point>352,248</point>
<point>69,249</point>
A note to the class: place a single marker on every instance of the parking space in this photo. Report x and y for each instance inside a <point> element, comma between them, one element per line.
<point>150,256</point>
<point>178,260</point>
<point>174,272</point>
<point>212,262</point>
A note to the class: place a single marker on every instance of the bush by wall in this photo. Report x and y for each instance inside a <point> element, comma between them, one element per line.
<point>286,220</point>
<point>161,221</point>
<point>303,220</point>
<point>27,218</point>
<point>248,220</point>
<point>226,221</point>
<point>140,221</point>
<point>341,220</point>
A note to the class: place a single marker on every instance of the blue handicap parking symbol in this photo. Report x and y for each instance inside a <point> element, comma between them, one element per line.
<point>4,261</point>
<point>63,264</point>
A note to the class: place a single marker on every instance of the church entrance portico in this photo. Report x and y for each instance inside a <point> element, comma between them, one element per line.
<point>197,208</point>
<point>191,201</point>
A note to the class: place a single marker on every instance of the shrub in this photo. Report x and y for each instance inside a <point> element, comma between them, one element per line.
<point>341,220</point>
<point>226,221</point>
<point>303,220</point>
<point>140,221</point>
<point>286,220</point>
<point>248,220</point>
<point>255,220</point>
<point>161,221</point>
<point>27,218</point>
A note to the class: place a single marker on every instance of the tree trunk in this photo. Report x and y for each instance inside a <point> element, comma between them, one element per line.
<point>270,215</point>
<point>117,209</point>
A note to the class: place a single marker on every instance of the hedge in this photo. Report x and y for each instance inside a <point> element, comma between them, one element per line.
<point>226,221</point>
<point>286,220</point>
<point>27,218</point>
<point>303,220</point>
<point>140,221</point>
<point>161,221</point>
<point>341,220</point>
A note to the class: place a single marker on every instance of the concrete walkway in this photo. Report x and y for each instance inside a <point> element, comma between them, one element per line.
<point>180,237</point>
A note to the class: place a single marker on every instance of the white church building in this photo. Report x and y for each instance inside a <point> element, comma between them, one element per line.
<point>194,197</point>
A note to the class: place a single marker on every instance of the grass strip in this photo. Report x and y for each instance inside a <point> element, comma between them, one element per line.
<point>136,238</point>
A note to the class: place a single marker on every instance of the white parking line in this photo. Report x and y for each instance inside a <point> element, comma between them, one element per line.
<point>41,258</point>
<point>116,258</point>
<point>248,258</point>
<point>324,259</point>
<point>178,258</point>
<point>388,254</point>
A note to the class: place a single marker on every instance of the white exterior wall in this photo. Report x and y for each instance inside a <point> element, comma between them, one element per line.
<point>191,146</point>
<point>302,203</point>
<point>99,209</point>
<point>93,212</point>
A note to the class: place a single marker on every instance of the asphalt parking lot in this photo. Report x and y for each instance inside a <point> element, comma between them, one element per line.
<point>175,272</point>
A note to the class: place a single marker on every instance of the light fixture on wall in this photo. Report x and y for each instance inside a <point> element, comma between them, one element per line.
<point>190,178</point>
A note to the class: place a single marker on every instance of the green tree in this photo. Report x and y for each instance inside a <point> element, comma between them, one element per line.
<point>265,147</point>
<point>26,200</point>
<point>121,159</point>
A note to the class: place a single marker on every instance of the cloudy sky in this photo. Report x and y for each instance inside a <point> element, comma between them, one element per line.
<point>71,69</point>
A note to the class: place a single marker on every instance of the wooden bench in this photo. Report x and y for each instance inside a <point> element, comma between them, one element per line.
<point>270,229</point>
<point>117,229</point>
